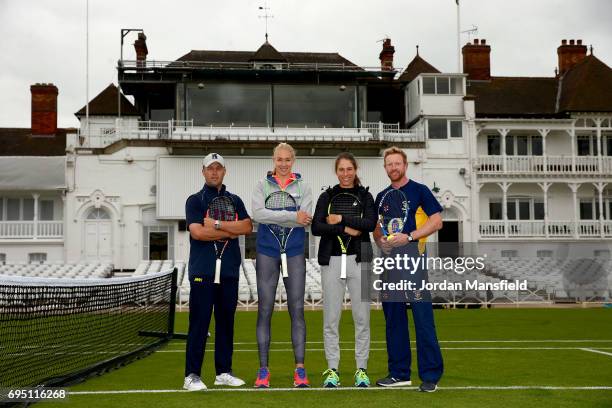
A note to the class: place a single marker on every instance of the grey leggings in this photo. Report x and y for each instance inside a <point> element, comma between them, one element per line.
<point>268,270</point>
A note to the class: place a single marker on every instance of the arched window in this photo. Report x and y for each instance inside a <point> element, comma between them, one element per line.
<point>98,214</point>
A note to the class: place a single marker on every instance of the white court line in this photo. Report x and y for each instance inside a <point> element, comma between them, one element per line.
<point>182,350</point>
<point>247,343</point>
<point>444,341</point>
<point>483,388</point>
<point>413,348</point>
<point>597,351</point>
<point>118,353</point>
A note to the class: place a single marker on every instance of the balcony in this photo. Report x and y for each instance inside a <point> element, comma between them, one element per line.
<point>152,65</point>
<point>184,131</point>
<point>548,229</point>
<point>543,165</point>
<point>31,229</point>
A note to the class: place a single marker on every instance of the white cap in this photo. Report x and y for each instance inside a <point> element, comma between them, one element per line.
<point>212,158</point>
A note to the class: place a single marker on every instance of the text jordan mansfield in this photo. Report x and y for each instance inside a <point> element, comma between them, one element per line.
<point>405,284</point>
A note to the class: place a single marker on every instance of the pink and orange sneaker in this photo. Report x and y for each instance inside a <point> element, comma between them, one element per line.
<point>300,379</point>
<point>263,378</point>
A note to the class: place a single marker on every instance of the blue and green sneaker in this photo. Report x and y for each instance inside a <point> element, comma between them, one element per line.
<point>331,378</point>
<point>361,378</point>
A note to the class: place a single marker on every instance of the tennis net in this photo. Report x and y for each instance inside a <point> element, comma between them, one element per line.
<point>58,331</point>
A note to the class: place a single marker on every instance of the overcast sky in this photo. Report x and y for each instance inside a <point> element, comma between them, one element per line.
<point>44,40</point>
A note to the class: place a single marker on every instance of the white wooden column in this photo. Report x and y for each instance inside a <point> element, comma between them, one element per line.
<point>599,158</point>
<point>544,133</point>
<point>572,134</point>
<point>504,187</point>
<point>545,186</point>
<point>35,196</point>
<point>600,189</point>
<point>574,187</point>
<point>476,219</point>
<point>503,133</point>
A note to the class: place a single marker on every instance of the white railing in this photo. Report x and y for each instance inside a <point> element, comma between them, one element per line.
<point>277,66</point>
<point>589,228</point>
<point>490,164</point>
<point>16,229</point>
<point>544,164</point>
<point>587,164</point>
<point>541,228</point>
<point>100,136</point>
<point>50,229</point>
<point>606,165</point>
<point>560,228</point>
<point>392,132</point>
<point>31,229</point>
<point>493,228</point>
<point>533,228</point>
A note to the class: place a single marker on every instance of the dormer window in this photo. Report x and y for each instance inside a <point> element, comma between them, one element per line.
<point>267,58</point>
<point>442,85</point>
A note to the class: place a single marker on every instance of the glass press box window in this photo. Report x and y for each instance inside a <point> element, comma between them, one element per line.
<point>229,105</point>
<point>273,105</point>
<point>315,106</point>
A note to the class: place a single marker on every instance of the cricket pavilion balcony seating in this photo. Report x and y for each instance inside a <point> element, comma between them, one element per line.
<point>179,134</point>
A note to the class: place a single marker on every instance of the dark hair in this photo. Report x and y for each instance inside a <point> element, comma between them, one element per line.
<point>348,156</point>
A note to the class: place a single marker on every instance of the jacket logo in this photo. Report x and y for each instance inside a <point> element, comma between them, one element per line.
<point>197,279</point>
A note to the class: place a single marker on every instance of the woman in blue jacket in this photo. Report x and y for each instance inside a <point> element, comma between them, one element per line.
<point>268,262</point>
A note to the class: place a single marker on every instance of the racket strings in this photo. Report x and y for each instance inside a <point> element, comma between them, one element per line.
<point>222,209</point>
<point>346,204</point>
<point>393,211</point>
<point>280,200</point>
<point>393,205</point>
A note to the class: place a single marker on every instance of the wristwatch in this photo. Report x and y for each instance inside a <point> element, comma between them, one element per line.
<point>217,224</point>
<point>410,238</point>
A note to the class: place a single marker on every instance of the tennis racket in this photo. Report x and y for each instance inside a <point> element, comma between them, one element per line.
<point>344,204</point>
<point>393,212</point>
<point>278,201</point>
<point>221,208</point>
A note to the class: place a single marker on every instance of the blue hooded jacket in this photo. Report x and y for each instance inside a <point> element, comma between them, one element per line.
<point>266,243</point>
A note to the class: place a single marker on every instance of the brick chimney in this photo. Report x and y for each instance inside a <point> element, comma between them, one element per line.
<point>140,45</point>
<point>477,60</point>
<point>386,55</point>
<point>44,109</point>
<point>570,54</point>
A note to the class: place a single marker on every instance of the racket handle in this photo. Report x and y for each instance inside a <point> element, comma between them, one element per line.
<point>284,265</point>
<point>218,271</point>
<point>343,266</point>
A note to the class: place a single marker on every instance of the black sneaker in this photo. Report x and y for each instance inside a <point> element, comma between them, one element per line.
<point>392,382</point>
<point>428,387</point>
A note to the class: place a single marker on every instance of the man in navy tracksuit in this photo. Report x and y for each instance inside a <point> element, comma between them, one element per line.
<point>398,341</point>
<point>205,295</point>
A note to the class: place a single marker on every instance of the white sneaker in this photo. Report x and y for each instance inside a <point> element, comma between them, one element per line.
<point>228,379</point>
<point>193,383</point>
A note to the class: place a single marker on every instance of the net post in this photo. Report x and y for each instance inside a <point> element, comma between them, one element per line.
<point>173,290</point>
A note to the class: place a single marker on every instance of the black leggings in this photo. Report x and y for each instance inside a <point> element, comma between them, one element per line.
<point>268,270</point>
